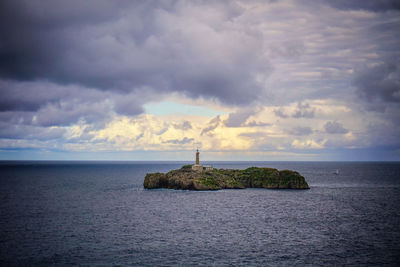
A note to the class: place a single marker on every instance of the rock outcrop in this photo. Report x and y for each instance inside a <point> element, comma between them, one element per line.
<point>215,179</point>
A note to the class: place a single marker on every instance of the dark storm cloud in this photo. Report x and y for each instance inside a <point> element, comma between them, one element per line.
<point>30,132</point>
<point>27,96</point>
<point>52,107</point>
<point>334,127</point>
<point>17,117</point>
<point>128,105</point>
<point>39,36</point>
<point>129,45</point>
<point>371,5</point>
<point>69,113</point>
<point>48,104</point>
<point>379,83</point>
<point>378,88</point>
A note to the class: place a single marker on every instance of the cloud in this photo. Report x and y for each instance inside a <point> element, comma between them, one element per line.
<point>239,117</point>
<point>68,113</point>
<point>30,132</point>
<point>162,130</point>
<point>48,104</point>
<point>139,136</point>
<point>280,113</point>
<point>379,83</point>
<point>76,74</point>
<point>303,111</point>
<point>213,124</point>
<point>254,135</point>
<point>185,140</point>
<point>300,131</point>
<point>333,127</point>
<point>127,46</point>
<point>129,105</point>
<point>254,123</point>
<point>186,125</point>
<point>29,96</point>
<point>378,90</point>
<point>371,5</point>
<point>288,50</point>
<point>307,144</point>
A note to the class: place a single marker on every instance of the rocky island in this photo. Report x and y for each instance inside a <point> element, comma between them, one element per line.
<point>215,179</point>
<point>198,177</point>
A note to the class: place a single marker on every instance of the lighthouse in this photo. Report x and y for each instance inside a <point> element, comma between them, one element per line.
<point>197,166</point>
<point>197,157</point>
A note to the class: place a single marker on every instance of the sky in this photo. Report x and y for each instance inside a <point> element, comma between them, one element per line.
<point>305,80</point>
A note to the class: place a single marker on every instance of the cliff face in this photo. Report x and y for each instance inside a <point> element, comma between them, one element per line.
<point>186,178</point>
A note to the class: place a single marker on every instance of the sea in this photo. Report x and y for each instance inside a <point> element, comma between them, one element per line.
<point>98,213</point>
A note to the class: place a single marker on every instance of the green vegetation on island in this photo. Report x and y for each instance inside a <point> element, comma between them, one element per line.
<point>188,179</point>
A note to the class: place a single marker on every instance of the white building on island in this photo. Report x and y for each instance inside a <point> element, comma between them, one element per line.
<point>197,166</point>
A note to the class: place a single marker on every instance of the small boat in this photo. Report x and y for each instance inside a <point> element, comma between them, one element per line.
<point>336,172</point>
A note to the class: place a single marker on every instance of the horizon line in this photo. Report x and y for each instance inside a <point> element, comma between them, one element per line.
<point>172,161</point>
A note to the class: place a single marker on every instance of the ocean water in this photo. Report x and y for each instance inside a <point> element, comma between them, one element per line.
<point>97,213</point>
